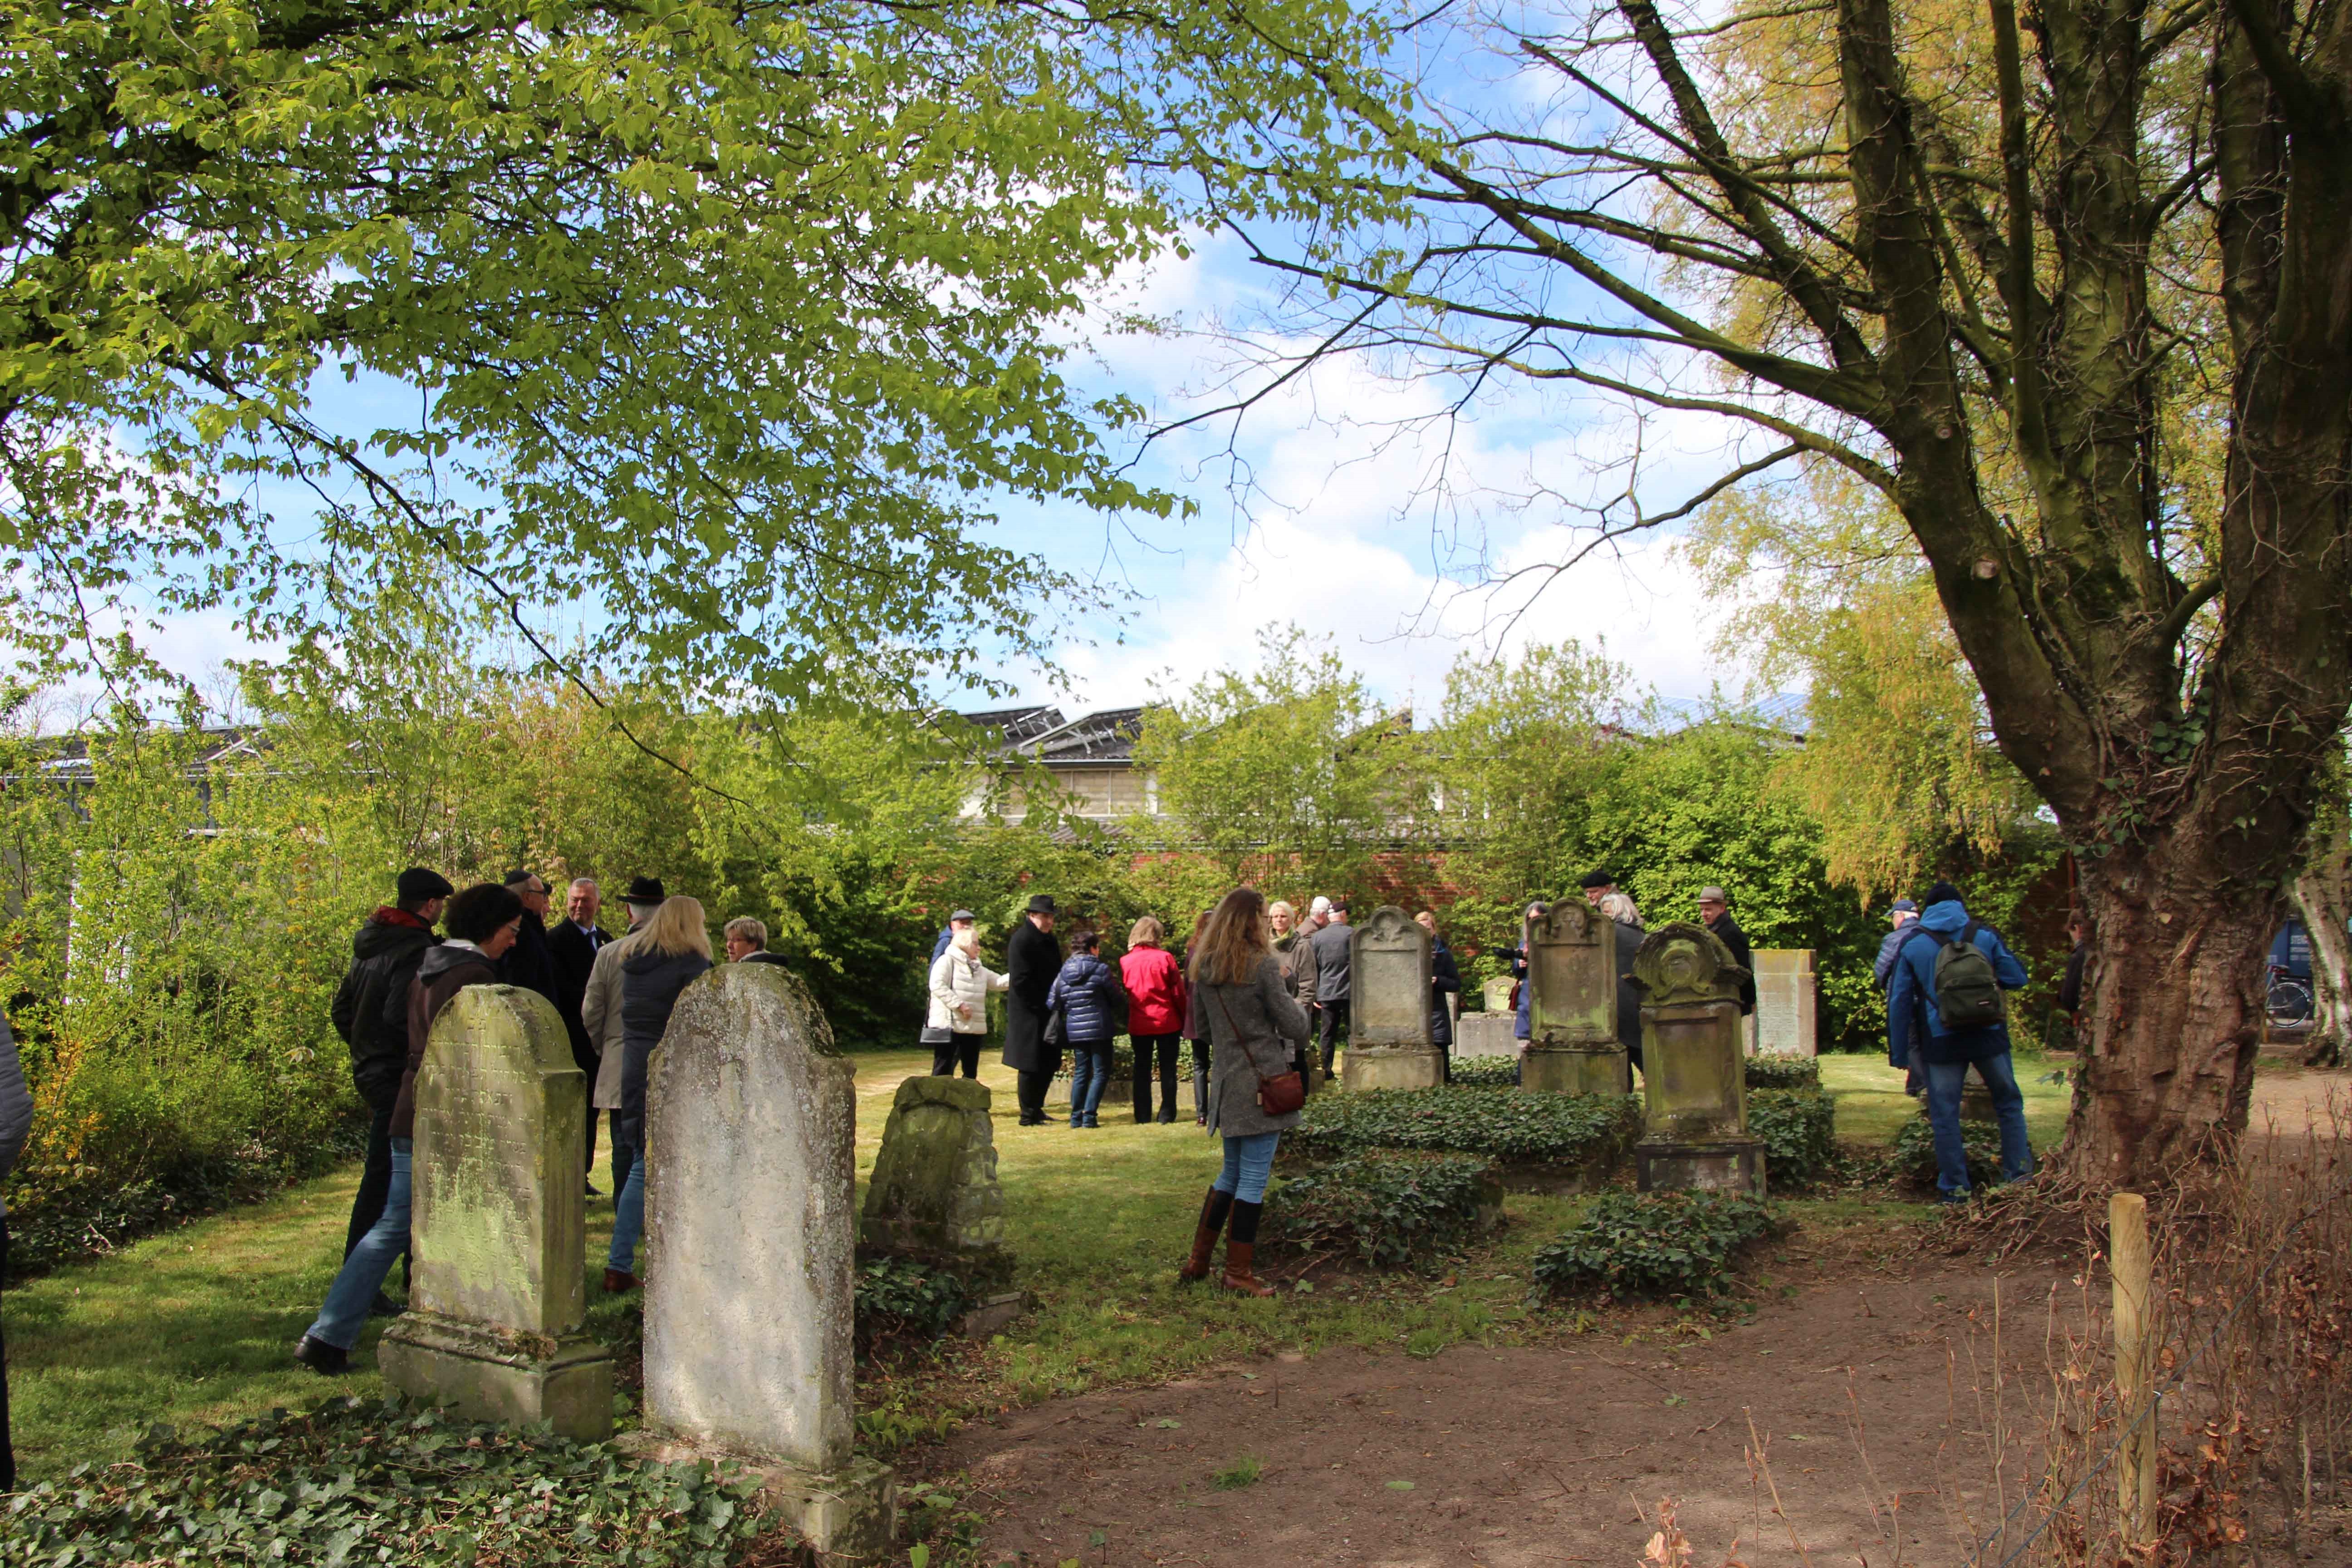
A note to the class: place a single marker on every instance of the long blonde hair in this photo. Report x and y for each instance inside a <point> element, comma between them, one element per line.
<point>1226,948</point>
<point>678,927</point>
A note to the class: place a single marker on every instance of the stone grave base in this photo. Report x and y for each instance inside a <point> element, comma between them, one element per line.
<point>1485,1035</point>
<point>484,1375</point>
<point>1388,1066</point>
<point>990,1314</point>
<point>849,1518</point>
<point>1570,1069</point>
<point>1730,1165</point>
<point>1976,1102</point>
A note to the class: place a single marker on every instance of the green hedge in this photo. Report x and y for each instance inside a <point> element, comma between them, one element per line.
<point>899,1298</point>
<point>1486,1072</point>
<point>1631,1245</point>
<point>1389,1208</point>
<point>1557,1128</point>
<point>1799,1127</point>
<point>359,1482</point>
<point>1913,1158</point>
<point>1783,1072</point>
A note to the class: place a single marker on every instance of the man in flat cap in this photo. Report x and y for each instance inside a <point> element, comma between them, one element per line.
<point>1715,910</point>
<point>371,1013</point>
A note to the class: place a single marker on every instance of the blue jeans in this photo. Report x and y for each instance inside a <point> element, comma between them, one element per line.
<point>629,1217</point>
<point>1249,1161</point>
<point>1943,1081</point>
<point>366,1265</point>
<point>1090,1075</point>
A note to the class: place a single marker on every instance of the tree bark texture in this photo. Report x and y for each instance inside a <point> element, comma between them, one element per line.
<point>2322,898</point>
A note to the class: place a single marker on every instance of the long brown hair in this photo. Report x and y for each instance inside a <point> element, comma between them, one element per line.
<point>1226,948</point>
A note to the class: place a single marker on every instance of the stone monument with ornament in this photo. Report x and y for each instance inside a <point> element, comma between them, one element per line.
<point>1694,1132</point>
<point>1572,1045</point>
<point>1389,1045</point>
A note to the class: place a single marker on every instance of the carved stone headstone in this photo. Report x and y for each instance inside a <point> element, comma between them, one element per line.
<point>1485,1035</point>
<point>1389,1040</point>
<point>934,1193</point>
<point>1497,994</point>
<point>1695,1126</point>
<point>1787,1002</point>
<point>750,1234</point>
<point>1572,1043</point>
<point>496,1297</point>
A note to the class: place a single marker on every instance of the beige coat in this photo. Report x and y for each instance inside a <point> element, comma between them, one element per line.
<point>958,976</point>
<point>600,1013</point>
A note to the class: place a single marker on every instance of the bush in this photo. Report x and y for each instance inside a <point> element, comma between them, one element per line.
<point>1914,1156</point>
<point>1486,1072</point>
<point>899,1298</point>
<point>1783,1072</point>
<point>1558,1129</point>
<point>1799,1127</point>
<point>359,1482</point>
<point>1391,1207</point>
<point>1655,1245</point>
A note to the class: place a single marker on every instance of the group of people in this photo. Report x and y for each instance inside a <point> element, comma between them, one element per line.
<point>614,994</point>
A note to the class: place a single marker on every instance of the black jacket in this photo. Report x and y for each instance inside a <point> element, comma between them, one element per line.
<point>371,1007</point>
<point>2069,990</point>
<point>1332,957</point>
<point>1444,975</point>
<point>573,953</point>
<point>1629,995</point>
<point>1032,959</point>
<point>650,983</point>
<point>1727,932</point>
<point>529,964</point>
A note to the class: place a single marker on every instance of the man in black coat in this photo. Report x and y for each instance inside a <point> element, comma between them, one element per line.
<point>371,1013</point>
<point>529,964</point>
<point>1032,959</point>
<point>572,949</point>
<point>1716,911</point>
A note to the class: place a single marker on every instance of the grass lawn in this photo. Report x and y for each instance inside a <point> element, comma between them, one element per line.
<point>1871,1104</point>
<point>197,1324</point>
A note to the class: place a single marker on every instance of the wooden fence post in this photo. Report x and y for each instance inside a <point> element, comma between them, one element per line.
<point>2128,1264</point>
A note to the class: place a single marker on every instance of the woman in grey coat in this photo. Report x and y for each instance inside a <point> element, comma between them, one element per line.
<point>1240,1002</point>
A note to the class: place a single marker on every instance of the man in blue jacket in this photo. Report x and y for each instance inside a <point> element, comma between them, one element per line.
<point>1936,974</point>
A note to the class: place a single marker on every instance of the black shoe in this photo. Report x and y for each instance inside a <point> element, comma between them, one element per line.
<point>384,1306</point>
<point>1044,1116</point>
<point>593,1192</point>
<point>1030,1118</point>
<point>1168,1114</point>
<point>322,1357</point>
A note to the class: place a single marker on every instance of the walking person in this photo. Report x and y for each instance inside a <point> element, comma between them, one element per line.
<point>1155,1014</point>
<point>1331,978</point>
<point>1032,961</point>
<point>600,1011</point>
<point>1254,1025</point>
<point>529,962</point>
<point>1626,916</point>
<point>15,1128</point>
<point>1444,981</point>
<point>1714,912</point>
<point>1947,1003</point>
<point>481,923</point>
<point>1088,995</point>
<point>572,949</point>
<point>959,984</point>
<point>672,951</point>
<point>371,1013</point>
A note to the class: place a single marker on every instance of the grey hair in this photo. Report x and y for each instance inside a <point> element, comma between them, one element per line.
<point>1620,907</point>
<point>1280,907</point>
<point>748,930</point>
<point>587,882</point>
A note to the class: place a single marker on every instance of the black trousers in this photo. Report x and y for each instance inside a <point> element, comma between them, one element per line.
<point>1335,1030</point>
<point>7,1447</point>
<point>958,1050</point>
<point>1146,1047</point>
<point>624,1154</point>
<point>1031,1090</point>
<point>375,1177</point>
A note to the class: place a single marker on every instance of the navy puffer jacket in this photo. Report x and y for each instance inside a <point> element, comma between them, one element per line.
<point>1087,990</point>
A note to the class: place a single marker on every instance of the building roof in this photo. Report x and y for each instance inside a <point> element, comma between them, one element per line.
<point>1104,736</point>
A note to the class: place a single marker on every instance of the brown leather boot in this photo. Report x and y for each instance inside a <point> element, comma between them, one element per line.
<point>1241,1249</point>
<point>1213,1209</point>
<point>618,1283</point>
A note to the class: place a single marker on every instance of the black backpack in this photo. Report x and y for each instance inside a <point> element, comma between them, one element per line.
<point>1966,990</point>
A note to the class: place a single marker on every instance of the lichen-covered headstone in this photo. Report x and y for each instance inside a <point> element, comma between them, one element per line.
<point>1389,1040</point>
<point>1695,1126</point>
<point>934,1193</point>
<point>495,1298</point>
<point>1787,1002</point>
<point>751,1241</point>
<point>1572,1045</point>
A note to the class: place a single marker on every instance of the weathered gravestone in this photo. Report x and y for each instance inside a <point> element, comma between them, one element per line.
<point>1497,994</point>
<point>750,1238</point>
<point>1572,1043</point>
<point>496,1298</point>
<point>934,1195</point>
<point>1694,1124</point>
<point>1389,1040</point>
<point>1787,1002</point>
<point>1486,1035</point>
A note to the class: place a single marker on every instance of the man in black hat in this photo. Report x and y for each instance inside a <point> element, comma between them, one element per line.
<point>600,1014</point>
<point>371,1013</point>
<point>1032,959</point>
<point>1597,886</point>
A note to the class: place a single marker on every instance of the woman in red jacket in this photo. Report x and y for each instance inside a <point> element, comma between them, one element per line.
<point>1155,1014</point>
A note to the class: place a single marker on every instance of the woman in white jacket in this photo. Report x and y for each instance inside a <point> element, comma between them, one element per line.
<point>959,988</point>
